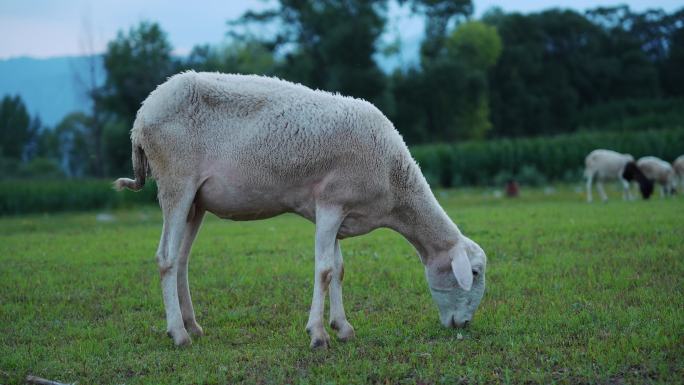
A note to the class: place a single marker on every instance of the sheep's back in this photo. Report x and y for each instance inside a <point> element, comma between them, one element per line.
<point>271,128</point>
<point>656,169</point>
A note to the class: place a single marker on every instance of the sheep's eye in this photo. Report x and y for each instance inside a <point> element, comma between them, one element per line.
<point>475,273</point>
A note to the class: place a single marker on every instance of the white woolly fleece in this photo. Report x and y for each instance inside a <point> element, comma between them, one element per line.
<point>249,147</point>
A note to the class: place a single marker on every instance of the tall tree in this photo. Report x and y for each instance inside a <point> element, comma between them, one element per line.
<point>75,145</point>
<point>556,64</point>
<point>478,46</point>
<point>439,16</point>
<point>136,63</point>
<point>246,56</point>
<point>673,65</point>
<point>17,129</point>
<point>328,44</point>
<point>671,74</point>
<point>446,99</point>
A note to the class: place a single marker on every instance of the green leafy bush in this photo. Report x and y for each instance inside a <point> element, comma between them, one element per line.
<point>537,160</point>
<point>21,196</point>
<point>533,162</point>
<point>40,168</point>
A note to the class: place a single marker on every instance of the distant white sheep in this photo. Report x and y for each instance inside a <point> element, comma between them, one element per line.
<point>678,166</point>
<point>659,171</point>
<point>603,165</point>
<point>250,147</point>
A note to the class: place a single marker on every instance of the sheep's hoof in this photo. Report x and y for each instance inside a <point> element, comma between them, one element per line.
<point>180,338</point>
<point>345,331</point>
<point>193,328</point>
<point>319,338</point>
<point>320,343</point>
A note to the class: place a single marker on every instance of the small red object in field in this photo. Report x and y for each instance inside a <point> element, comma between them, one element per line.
<point>512,188</point>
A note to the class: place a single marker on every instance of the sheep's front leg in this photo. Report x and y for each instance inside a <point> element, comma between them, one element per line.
<point>626,191</point>
<point>338,319</point>
<point>602,192</point>
<point>328,220</point>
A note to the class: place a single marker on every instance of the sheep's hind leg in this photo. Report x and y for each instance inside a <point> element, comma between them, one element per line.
<point>187,310</point>
<point>590,178</point>
<point>175,206</point>
<point>602,192</point>
<point>328,220</point>
<point>338,319</point>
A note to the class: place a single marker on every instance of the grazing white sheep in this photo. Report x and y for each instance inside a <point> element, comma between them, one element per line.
<point>678,166</point>
<point>250,147</point>
<point>602,165</point>
<point>660,172</point>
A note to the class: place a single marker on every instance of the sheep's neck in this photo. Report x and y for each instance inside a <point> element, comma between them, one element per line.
<point>423,222</point>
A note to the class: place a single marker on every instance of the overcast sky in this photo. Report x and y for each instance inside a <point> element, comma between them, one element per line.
<point>44,28</point>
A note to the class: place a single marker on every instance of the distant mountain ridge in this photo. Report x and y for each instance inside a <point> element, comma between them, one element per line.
<point>48,87</point>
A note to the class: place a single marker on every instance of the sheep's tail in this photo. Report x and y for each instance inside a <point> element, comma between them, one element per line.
<point>140,166</point>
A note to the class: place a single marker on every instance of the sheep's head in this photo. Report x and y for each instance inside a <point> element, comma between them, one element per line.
<point>457,282</point>
<point>633,172</point>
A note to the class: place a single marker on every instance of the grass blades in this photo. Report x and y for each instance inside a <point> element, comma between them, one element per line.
<point>576,293</point>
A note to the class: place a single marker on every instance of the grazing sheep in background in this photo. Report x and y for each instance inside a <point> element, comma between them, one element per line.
<point>251,147</point>
<point>678,166</point>
<point>603,165</point>
<point>660,172</point>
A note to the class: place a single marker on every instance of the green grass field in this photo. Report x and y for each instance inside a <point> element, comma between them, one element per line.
<point>576,293</point>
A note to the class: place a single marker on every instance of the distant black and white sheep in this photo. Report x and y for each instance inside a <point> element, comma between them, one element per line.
<point>678,166</point>
<point>250,147</point>
<point>659,171</point>
<point>603,165</point>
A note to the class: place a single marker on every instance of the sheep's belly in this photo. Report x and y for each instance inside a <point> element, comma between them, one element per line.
<point>611,172</point>
<point>240,202</point>
<point>355,225</point>
<point>241,213</point>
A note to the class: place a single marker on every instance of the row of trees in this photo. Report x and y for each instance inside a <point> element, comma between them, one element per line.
<point>504,75</point>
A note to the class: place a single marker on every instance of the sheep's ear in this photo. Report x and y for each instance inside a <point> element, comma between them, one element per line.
<point>460,264</point>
